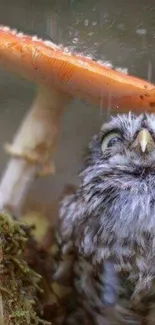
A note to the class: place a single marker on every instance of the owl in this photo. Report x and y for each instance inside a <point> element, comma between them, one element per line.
<point>106,228</point>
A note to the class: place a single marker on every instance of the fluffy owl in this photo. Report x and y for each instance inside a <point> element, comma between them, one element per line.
<point>107,228</point>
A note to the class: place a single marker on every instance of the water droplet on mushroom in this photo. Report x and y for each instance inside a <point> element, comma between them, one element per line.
<point>86,22</point>
<point>94,23</point>
<point>141,31</point>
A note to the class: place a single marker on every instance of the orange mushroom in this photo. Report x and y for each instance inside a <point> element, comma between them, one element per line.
<point>55,67</point>
<point>61,75</point>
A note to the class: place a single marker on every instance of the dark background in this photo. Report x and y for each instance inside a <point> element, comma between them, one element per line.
<point>120,33</point>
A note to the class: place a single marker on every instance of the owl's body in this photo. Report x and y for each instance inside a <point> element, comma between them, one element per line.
<point>109,225</point>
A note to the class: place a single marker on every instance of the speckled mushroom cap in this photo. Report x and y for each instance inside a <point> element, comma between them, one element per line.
<point>45,63</point>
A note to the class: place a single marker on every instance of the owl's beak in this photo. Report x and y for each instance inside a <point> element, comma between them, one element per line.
<point>145,141</point>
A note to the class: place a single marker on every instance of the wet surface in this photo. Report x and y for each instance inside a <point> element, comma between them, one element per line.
<point>121,34</point>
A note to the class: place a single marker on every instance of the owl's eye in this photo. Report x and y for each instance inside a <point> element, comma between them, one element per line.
<point>110,140</point>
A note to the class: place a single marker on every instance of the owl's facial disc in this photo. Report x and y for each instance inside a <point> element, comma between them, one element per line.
<point>127,144</point>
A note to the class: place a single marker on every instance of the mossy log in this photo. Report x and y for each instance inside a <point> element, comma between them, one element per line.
<point>20,285</point>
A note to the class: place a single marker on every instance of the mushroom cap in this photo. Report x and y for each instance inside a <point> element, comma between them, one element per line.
<point>54,66</point>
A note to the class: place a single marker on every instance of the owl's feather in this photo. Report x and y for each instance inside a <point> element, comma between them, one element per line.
<point>109,225</point>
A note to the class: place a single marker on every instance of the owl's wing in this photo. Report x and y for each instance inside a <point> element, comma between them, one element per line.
<point>68,215</point>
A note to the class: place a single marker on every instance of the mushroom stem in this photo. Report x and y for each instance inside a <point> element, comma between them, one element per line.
<point>32,148</point>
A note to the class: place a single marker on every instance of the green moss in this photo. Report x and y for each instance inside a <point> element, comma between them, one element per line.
<point>19,284</point>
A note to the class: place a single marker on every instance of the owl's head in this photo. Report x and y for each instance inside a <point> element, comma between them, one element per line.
<point>121,161</point>
<point>124,146</point>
